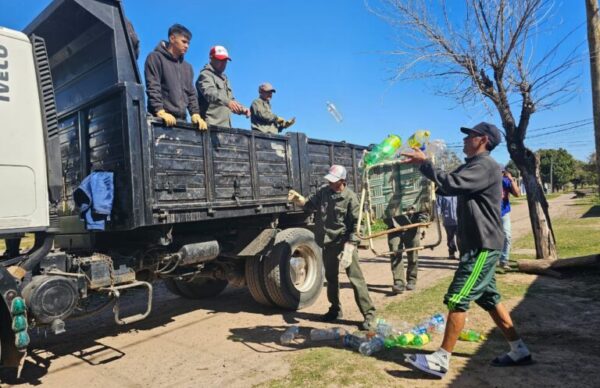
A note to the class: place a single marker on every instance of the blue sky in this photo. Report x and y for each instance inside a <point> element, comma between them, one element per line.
<point>315,51</point>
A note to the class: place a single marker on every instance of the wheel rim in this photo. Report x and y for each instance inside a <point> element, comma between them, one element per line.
<point>303,268</point>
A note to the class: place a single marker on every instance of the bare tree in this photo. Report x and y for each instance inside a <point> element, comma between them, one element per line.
<point>593,30</point>
<point>488,54</point>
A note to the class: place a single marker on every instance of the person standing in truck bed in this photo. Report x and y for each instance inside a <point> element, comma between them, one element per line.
<point>214,91</point>
<point>169,80</point>
<point>262,118</point>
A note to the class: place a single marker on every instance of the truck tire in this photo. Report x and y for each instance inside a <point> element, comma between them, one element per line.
<point>196,289</point>
<point>293,271</point>
<point>255,281</point>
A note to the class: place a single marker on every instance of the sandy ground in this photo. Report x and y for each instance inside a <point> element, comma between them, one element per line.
<point>226,341</point>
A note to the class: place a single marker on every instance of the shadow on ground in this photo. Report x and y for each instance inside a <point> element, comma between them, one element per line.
<point>558,319</point>
<point>83,336</point>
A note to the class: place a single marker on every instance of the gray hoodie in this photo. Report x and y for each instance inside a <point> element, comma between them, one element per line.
<point>169,83</point>
<point>478,186</point>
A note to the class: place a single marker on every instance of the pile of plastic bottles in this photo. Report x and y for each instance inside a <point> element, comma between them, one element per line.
<point>471,336</point>
<point>391,147</point>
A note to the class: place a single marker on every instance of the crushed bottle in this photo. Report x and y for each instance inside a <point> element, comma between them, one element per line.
<point>334,112</point>
<point>372,346</point>
<point>288,336</point>
<point>327,334</point>
<point>471,336</point>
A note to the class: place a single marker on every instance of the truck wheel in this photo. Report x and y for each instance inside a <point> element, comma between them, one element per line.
<point>255,281</point>
<point>196,289</point>
<point>293,271</point>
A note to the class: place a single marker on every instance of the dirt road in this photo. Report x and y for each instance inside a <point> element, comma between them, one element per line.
<point>226,341</point>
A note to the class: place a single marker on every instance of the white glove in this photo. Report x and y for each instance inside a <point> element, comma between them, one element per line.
<point>345,256</point>
<point>296,197</point>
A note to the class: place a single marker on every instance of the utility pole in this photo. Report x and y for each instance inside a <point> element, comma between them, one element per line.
<point>593,30</point>
<point>551,180</point>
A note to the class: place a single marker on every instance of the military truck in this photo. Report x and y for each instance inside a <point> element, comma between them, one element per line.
<point>197,209</point>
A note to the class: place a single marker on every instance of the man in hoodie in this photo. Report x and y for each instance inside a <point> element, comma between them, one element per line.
<point>477,185</point>
<point>169,80</point>
<point>214,91</point>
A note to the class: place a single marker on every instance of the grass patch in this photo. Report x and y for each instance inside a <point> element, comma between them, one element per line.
<point>574,237</point>
<point>335,366</point>
<point>378,226</point>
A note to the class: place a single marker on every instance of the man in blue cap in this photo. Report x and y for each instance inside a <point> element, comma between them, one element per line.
<point>478,187</point>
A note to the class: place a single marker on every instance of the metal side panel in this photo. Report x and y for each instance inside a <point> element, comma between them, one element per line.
<point>217,174</point>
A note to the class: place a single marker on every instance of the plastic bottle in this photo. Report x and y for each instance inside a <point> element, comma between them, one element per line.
<point>288,336</point>
<point>384,150</point>
<point>471,336</point>
<point>334,112</point>
<point>421,339</point>
<point>375,345</point>
<point>327,334</point>
<point>419,139</point>
<point>353,341</point>
<point>405,339</point>
<point>437,323</point>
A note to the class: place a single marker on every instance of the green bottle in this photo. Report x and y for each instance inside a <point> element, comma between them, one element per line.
<point>421,339</point>
<point>406,339</point>
<point>384,150</point>
<point>471,336</point>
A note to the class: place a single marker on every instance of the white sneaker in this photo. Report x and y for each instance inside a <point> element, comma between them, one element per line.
<point>427,363</point>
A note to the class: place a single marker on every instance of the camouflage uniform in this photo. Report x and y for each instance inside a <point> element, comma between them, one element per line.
<point>399,241</point>
<point>336,217</point>
<point>214,95</point>
<point>263,119</point>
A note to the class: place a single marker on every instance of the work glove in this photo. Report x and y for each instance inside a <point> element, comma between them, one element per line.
<point>295,197</point>
<point>345,256</point>
<point>280,121</point>
<point>289,123</point>
<point>168,118</point>
<point>196,119</point>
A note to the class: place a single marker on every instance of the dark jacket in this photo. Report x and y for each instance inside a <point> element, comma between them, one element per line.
<point>336,215</point>
<point>478,186</point>
<point>262,118</point>
<point>169,83</point>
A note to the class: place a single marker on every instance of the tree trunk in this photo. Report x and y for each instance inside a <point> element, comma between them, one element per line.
<point>543,236</point>
<point>593,29</point>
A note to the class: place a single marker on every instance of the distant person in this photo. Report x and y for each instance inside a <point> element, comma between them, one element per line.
<point>12,246</point>
<point>478,186</point>
<point>262,118</point>
<point>509,187</point>
<point>399,242</point>
<point>214,91</point>
<point>447,211</point>
<point>170,80</point>
<point>336,215</point>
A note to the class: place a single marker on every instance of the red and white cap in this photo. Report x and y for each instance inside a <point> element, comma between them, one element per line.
<point>335,173</point>
<point>219,52</point>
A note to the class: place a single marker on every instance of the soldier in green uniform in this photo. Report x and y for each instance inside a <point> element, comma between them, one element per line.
<point>336,208</point>
<point>262,118</point>
<point>214,91</point>
<point>405,240</point>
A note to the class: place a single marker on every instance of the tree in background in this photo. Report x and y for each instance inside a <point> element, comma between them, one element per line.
<point>489,51</point>
<point>562,164</point>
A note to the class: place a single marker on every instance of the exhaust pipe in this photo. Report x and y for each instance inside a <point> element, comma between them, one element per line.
<point>198,252</point>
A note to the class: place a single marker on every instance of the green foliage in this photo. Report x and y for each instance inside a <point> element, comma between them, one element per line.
<point>562,164</point>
